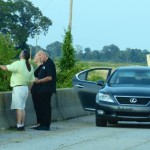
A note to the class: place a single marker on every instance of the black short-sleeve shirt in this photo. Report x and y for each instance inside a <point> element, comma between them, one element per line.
<point>47,69</point>
<point>35,86</point>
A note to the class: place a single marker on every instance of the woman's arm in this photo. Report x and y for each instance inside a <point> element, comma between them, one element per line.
<point>3,67</point>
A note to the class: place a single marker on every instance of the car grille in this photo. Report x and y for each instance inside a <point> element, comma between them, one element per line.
<point>133,100</point>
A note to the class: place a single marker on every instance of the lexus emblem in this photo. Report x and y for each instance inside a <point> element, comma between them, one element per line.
<point>133,100</point>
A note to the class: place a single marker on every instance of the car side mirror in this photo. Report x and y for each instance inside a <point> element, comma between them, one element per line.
<point>100,82</point>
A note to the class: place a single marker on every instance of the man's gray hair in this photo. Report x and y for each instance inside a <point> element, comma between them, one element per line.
<point>44,52</point>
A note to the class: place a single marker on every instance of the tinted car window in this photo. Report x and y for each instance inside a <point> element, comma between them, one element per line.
<point>130,77</point>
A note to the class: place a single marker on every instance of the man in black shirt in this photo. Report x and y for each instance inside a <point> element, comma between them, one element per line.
<point>46,86</point>
<point>34,89</point>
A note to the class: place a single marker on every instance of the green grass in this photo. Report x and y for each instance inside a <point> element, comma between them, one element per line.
<point>90,64</point>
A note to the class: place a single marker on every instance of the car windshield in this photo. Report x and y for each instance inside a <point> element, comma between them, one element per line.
<point>130,77</point>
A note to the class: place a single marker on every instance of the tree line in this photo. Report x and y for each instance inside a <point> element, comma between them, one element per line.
<point>110,53</point>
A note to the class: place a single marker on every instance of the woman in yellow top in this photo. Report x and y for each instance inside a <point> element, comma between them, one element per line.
<point>22,76</point>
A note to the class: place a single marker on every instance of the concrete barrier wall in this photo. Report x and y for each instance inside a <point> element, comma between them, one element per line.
<point>65,105</point>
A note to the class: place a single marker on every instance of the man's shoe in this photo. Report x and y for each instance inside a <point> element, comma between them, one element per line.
<point>45,128</point>
<point>37,125</point>
<point>21,128</point>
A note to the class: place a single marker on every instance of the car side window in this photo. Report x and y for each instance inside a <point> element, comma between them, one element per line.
<point>95,75</point>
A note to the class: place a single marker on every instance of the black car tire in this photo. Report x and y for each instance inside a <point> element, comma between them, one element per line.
<point>100,122</point>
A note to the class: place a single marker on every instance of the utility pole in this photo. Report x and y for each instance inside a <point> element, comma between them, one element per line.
<point>30,52</point>
<point>70,15</point>
<point>36,41</point>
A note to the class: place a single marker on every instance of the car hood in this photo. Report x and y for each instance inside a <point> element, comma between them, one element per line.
<point>127,91</point>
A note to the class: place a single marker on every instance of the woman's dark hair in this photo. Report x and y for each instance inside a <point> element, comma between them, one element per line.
<point>26,56</point>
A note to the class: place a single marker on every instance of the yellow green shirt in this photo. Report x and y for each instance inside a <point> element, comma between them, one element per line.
<point>20,74</point>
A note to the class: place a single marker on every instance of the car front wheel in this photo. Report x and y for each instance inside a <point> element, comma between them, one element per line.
<point>100,122</point>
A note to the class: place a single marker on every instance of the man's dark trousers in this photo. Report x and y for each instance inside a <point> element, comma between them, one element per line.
<point>44,108</point>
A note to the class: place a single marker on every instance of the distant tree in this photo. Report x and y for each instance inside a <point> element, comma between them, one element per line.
<point>96,55</point>
<point>106,52</point>
<point>135,55</point>
<point>22,20</point>
<point>111,52</point>
<point>78,48</point>
<point>79,52</point>
<point>55,49</point>
<point>88,54</point>
<point>115,52</point>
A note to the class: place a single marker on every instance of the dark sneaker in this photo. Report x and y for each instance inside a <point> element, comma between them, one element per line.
<point>21,128</point>
<point>35,127</point>
<point>45,128</point>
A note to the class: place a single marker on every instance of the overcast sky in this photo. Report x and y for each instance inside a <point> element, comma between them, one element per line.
<point>97,23</point>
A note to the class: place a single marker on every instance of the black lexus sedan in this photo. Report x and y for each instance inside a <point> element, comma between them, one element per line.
<point>119,95</point>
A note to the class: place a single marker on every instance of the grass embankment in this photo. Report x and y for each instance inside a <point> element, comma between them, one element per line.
<point>89,64</point>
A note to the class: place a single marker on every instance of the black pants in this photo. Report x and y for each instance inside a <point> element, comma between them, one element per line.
<point>42,105</point>
<point>36,105</point>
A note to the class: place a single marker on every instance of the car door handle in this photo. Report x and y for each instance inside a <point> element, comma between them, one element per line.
<point>79,86</point>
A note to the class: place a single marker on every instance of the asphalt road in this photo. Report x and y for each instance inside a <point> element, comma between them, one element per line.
<point>79,134</point>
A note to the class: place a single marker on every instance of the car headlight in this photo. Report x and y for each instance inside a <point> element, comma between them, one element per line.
<point>103,97</point>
